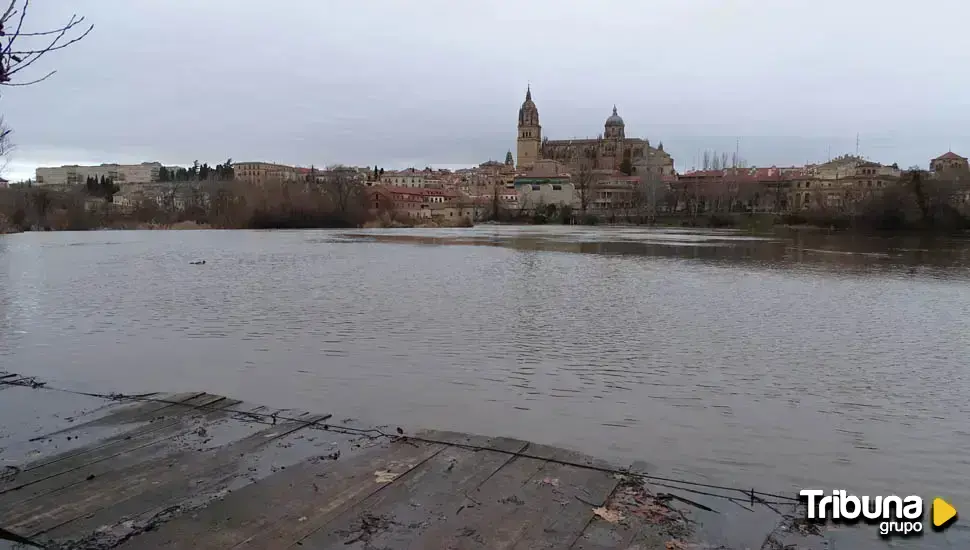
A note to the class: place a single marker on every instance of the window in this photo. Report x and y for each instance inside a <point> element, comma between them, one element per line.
<point>557,187</point>
<point>535,187</point>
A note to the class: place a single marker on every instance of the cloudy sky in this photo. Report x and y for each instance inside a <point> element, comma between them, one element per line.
<point>439,82</point>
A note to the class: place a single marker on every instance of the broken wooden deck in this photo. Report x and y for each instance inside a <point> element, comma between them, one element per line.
<point>203,471</point>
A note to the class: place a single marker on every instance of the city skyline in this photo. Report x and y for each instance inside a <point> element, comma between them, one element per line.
<point>428,85</point>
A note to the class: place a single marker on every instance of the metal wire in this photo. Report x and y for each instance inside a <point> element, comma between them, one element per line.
<point>752,495</point>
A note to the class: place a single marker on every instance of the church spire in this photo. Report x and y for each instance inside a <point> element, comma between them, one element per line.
<point>528,92</point>
<point>614,109</point>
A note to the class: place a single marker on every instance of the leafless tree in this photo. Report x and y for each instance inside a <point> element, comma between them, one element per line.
<point>340,182</point>
<point>21,48</point>
<point>585,185</point>
<point>5,144</point>
<point>640,201</point>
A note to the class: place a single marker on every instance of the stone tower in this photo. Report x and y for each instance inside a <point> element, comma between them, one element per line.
<point>509,161</point>
<point>530,133</point>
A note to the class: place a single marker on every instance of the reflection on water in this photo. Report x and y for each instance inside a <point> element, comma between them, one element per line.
<point>773,362</point>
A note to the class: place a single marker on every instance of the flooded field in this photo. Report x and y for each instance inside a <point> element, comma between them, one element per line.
<point>776,362</point>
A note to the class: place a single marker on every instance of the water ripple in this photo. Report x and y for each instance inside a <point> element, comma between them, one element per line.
<point>760,361</point>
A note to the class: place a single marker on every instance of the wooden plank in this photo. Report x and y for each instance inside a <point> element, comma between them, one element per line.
<point>482,507</point>
<point>418,500</point>
<point>62,507</point>
<point>128,452</point>
<point>528,504</point>
<point>560,505</point>
<point>288,505</point>
<point>191,487</point>
<point>167,427</point>
<point>132,411</point>
<point>630,533</point>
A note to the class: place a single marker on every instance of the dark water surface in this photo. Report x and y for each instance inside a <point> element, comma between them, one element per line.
<point>770,362</point>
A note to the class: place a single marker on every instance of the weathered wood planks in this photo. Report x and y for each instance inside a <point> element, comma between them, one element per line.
<point>203,471</point>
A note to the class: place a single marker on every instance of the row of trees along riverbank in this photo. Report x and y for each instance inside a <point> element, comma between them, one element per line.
<point>334,199</point>
<point>919,201</point>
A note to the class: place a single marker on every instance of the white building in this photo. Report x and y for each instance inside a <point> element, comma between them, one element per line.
<point>146,172</point>
<point>405,178</point>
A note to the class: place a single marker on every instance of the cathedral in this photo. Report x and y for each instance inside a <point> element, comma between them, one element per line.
<point>610,151</point>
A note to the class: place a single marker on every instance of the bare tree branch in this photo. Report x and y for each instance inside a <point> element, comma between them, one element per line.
<point>13,59</point>
<point>5,144</point>
<point>75,23</point>
<point>41,79</point>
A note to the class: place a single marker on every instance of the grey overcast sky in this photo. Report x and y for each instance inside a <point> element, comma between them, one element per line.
<point>439,82</point>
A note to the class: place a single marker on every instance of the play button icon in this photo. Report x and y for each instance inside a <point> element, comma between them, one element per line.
<point>943,513</point>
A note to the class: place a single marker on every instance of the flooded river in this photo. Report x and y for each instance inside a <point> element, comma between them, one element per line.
<point>774,362</point>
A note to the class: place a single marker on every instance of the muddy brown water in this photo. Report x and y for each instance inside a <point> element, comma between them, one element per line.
<point>777,362</point>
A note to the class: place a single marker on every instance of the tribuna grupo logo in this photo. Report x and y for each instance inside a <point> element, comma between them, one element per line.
<point>895,515</point>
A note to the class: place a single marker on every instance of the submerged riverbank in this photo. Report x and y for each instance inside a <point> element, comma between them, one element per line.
<point>344,483</point>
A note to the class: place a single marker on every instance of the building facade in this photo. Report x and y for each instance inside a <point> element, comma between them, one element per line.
<point>538,191</point>
<point>949,161</point>
<point>405,178</point>
<point>264,172</point>
<point>610,151</point>
<point>122,174</point>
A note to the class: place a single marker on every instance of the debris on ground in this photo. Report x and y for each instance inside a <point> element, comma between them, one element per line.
<point>383,476</point>
<point>366,527</point>
<point>612,516</point>
<point>793,532</point>
<point>635,499</point>
<point>8,473</point>
<point>554,482</point>
<point>632,503</point>
<point>320,458</point>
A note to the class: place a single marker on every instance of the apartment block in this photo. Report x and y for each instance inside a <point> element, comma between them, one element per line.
<point>73,174</point>
<point>264,172</point>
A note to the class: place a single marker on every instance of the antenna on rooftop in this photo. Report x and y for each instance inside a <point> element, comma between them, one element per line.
<point>857,144</point>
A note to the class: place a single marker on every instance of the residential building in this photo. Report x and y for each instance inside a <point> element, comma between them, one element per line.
<point>537,191</point>
<point>405,178</point>
<point>949,161</point>
<point>122,174</point>
<point>402,201</point>
<point>614,194</point>
<point>169,196</point>
<point>264,172</point>
<point>840,184</point>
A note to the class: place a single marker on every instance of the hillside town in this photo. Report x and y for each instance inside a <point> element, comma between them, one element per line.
<point>611,178</point>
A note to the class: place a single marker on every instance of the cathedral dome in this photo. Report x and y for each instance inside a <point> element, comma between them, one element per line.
<point>614,119</point>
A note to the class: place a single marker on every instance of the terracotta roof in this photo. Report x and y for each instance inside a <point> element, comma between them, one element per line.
<point>950,155</point>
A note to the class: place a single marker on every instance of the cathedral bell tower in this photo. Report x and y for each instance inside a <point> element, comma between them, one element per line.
<point>530,133</point>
